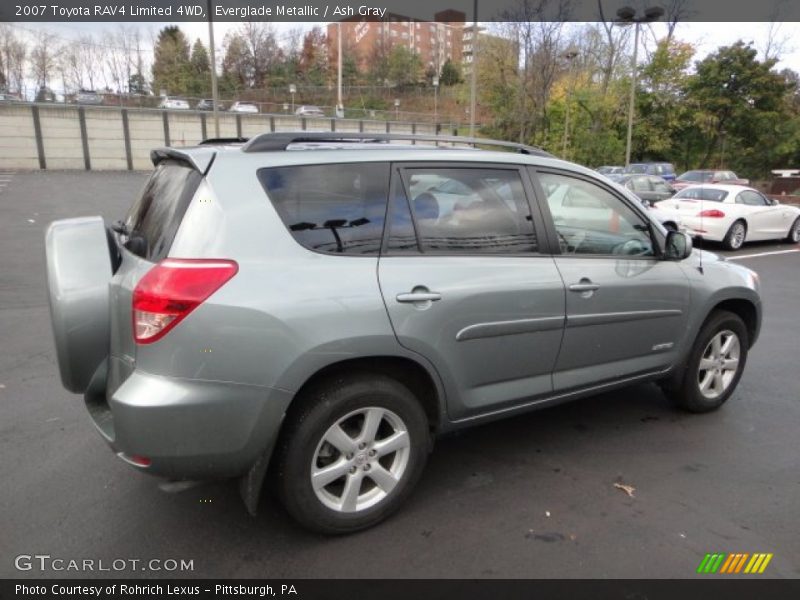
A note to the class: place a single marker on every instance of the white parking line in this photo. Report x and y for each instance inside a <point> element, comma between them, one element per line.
<point>762,254</point>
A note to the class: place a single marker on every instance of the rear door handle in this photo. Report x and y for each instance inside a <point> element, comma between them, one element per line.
<point>584,287</point>
<point>419,297</point>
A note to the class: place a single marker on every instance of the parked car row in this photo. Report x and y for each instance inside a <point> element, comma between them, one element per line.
<point>237,107</point>
<point>737,214</point>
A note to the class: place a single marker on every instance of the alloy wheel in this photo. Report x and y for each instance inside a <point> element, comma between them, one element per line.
<point>719,364</point>
<point>360,459</point>
<point>737,238</point>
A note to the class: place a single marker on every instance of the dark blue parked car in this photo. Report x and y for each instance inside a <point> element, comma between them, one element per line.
<point>662,169</point>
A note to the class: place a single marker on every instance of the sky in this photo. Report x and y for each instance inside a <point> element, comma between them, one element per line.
<point>706,37</point>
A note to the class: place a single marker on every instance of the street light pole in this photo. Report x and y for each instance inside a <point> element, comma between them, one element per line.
<point>627,16</point>
<point>570,56</point>
<point>632,95</point>
<point>473,84</point>
<point>214,87</point>
<point>436,99</point>
<point>339,107</point>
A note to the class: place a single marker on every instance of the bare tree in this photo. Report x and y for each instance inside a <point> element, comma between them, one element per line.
<point>777,41</point>
<point>262,50</point>
<point>43,62</point>
<point>13,52</point>
<point>675,11</point>
<point>537,27</point>
<point>616,40</point>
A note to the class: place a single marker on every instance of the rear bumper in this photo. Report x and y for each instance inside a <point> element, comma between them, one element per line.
<point>186,429</point>
<point>708,228</point>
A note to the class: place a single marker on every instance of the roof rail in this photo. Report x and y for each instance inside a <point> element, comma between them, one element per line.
<point>223,140</point>
<point>277,142</point>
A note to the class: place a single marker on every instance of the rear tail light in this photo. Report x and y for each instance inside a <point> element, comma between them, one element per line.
<point>713,213</point>
<point>171,290</point>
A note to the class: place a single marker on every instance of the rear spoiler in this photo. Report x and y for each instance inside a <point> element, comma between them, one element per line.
<point>199,159</point>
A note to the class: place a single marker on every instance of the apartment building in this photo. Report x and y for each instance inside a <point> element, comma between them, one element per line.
<point>435,42</point>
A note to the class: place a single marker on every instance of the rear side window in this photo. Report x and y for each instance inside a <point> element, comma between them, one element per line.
<point>337,209</point>
<point>463,211</point>
<point>157,214</point>
<point>701,193</point>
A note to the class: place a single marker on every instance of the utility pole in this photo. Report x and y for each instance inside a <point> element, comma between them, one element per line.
<point>473,84</point>
<point>627,16</point>
<point>570,56</point>
<point>339,106</point>
<point>214,88</point>
<point>631,105</point>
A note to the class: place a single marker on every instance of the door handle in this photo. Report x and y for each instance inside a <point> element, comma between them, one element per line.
<point>584,286</point>
<point>419,297</point>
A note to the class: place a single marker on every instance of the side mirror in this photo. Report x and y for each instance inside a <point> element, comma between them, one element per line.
<point>775,202</point>
<point>678,245</point>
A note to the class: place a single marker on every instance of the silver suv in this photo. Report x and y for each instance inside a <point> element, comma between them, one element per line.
<point>314,309</point>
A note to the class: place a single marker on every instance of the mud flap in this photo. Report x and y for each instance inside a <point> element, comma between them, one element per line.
<point>252,482</point>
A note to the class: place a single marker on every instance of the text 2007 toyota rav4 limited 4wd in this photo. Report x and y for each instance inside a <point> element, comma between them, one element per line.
<point>311,310</point>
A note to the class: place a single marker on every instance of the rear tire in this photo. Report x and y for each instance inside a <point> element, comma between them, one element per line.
<point>736,236</point>
<point>364,439</point>
<point>715,364</point>
<point>794,232</point>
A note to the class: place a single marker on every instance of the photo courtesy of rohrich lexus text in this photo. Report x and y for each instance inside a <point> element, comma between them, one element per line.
<point>402,299</point>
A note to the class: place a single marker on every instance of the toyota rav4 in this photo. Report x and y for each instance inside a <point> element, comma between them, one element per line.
<point>309,311</point>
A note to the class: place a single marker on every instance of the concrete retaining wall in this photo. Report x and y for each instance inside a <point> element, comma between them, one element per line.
<point>48,136</point>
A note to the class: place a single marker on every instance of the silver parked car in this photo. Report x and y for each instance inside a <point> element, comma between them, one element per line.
<point>320,307</point>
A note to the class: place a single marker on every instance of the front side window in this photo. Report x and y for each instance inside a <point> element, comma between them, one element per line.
<point>337,208</point>
<point>609,226</point>
<point>463,211</point>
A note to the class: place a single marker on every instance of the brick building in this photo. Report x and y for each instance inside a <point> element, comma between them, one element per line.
<point>434,41</point>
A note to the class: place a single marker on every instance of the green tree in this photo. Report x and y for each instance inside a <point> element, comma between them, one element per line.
<point>404,66</point>
<point>137,84</point>
<point>451,74</point>
<point>661,112</point>
<point>171,67</point>
<point>200,70</point>
<point>735,96</point>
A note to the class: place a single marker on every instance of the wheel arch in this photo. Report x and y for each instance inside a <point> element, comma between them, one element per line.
<point>407,371</point>
<point>745,310</point>
<point>421,380</point>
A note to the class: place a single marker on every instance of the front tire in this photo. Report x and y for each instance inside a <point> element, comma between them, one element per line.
<point>715,364</point>
<point>352,453</point>
<point>736,235</point>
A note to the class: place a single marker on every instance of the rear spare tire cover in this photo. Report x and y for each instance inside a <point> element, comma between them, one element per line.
<point>78,273</point>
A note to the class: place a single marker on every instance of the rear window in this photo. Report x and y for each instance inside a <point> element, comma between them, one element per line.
<point>695,176</point>
<point>337,208</point>
<point>701,193</point>
<point>157,214</point>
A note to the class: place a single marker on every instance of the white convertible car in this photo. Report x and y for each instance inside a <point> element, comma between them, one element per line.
<point>732,214</point>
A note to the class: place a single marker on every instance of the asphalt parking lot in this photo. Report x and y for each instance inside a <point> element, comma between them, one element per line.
<point>529,497</point>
